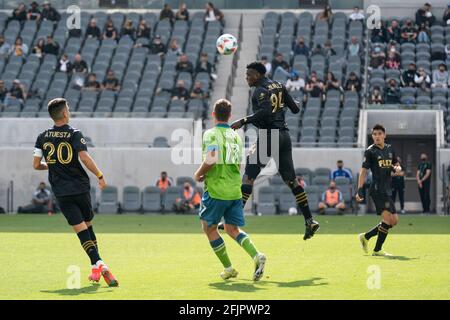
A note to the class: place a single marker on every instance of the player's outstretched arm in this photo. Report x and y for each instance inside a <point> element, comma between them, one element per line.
<point>361,181</point>
<point>92,167</point>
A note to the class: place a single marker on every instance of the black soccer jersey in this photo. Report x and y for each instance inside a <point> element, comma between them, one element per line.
<point>269,103</point>
<point>60,146</point>
<point>380,162</point>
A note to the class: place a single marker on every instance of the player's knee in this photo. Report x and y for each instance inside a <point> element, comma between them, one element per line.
<point>231,230</point>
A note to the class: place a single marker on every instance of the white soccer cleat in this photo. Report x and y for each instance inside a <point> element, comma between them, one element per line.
<point>363,241</point>
<point>381,254</point>
<point>260,263</point>
<point>229,273</point>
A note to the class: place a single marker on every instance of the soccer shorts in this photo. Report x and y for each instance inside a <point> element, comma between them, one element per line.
<point>212,211</point>
<point>383,202</point>
<point>76,208</point>
<point>285,163</point>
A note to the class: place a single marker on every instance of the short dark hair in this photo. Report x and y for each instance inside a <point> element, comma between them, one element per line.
<point>55,108</point>
<point>257,66</point>
<point>222,109</point>
<point>379,127</point>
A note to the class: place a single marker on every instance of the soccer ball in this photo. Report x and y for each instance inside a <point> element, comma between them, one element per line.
<point>292,211</point>
<point>226,44</point>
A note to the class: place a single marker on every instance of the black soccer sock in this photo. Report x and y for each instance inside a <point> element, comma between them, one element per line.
<point>93,237</point>
<point>246,193</point>
<point>383,230</point>
<point>373,232</point>
<point>88,246</point>
<point>302,203</point>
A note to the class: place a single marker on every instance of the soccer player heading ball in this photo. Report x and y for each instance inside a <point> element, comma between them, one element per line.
<point>382,161</point>
<point>62,146</point>
<point>269,102</point>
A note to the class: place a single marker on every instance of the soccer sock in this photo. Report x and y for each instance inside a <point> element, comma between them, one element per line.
<point>373,232</point>
<point>302,203</point>
<point>93,237</point>
<point>220,250</point>
<point>244,241</point>
<point>246,193</point>
<point>88,246</point>
<point>383,230</point>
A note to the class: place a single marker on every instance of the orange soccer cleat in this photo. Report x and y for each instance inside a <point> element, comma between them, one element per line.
<point>95,274</point>
<point>108,276</point>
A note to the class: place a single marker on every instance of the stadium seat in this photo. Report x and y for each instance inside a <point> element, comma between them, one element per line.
<point>266,203</point>
<point>172,194</point>
<point>181,180</point>
<point>286,200</point>
<point>108,200</point>
<point>151,199</point>
<point>131,199</point>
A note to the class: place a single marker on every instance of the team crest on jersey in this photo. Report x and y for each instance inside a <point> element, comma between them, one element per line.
<point>83,141</point>
<point>261,96</point>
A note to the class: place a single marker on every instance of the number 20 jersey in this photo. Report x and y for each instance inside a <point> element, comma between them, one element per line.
<point>60,146</point>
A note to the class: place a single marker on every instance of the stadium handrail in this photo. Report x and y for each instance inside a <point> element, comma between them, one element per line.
<point>402,106</point>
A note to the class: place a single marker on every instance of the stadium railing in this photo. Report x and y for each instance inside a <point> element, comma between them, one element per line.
<point>404,107</point>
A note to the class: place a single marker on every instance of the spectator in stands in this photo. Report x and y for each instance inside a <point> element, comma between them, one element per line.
<point>318,50</point>
<point>79,65</point>
<point>20,13</point>
<point>332,198</point>
<point>398,186</point>
<point>379,34</point>
<point>392,61</point>
<point>354,48</point>
<point>184,65</point>
<point>440,77</point>
<point>295,82</point>
<point>353,83</point>
<point>64,64</point>
<point>111,82</point>
<point>110,32</point>
<point>266,64</point>
<point>340,171</point>
<point>34,13</point>
<point>301,181</point>
<point>407,78</point>
<point>213,14</point>
<point>128,30</point>
<point>5,48</point>
<point>422,80</point>
<point>394,31</point>
<point>167,13</point>
<point>3,92</point>
<point>314,87</point>
<point>92,30</point>
<point>19,49</point>
<point>424,15</point>
<point>190,200</point>
<point>423,33</point>
<point>300,48</point>
<point>447,51</point>
<point>17,92</point>
<point>446,16</point>
<point>156,47</point>
<point>163,182</point>
<point>278,62</point>
<point>409,32</point>
<point>328,50</point>
<point>38,49</point>
<point>326,15</point>
<point>204,65</point>
<point>376,97</point>
<point>91,83</point>
<point>50,13</point>
<point>377,58</point>
<point>182,13</point>
<point>174,48</point>
<point>357,14</point>
<point>392,93</point>
<point>331,83</point>
<point>180,92</point>
<point>51,47</point>
<point>198,93</point>
<point>42,201</point>
<point>143,30</point>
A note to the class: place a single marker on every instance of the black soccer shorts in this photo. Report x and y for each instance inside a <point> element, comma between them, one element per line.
<point>284,162</point>
<point>383,202</point>
<point>76,208</point>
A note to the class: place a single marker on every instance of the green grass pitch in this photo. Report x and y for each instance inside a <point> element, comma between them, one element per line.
<point>167,257</point>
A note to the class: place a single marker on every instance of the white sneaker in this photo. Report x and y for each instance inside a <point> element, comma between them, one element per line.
<point>229,273</point>
<point>260,263</point>
<point>381,254</point>
<point>363,241</point>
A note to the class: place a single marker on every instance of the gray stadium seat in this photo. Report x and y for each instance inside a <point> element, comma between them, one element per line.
<point>172,193</point>
<point>266,203</point>
<point>131,199</point>
<point>286,200</point>
<point>108,200</point>
<point>151,199</point>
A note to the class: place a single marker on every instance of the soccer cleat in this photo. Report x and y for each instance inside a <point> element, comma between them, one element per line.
<point>95,274</point>
<point>221,226</point>
<point>311,229</point>
<point>381,254</point>
<point>229,273</point>
<point>109,278</point>
<point>260,263</point>
<point>363,241</point>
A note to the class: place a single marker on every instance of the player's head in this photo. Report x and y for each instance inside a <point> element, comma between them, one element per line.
<point>378,134</point>
<point>340,164</point>
<point>42,185</point>
<point>58,110</point>
<point>255,72</point>
<point>222,110</point>
<point>332,185</point>
<point>423,157</point>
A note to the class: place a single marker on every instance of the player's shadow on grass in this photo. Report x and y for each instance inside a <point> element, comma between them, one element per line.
<point>235,286</point>
<point>91,289</point>
<point>313,282</point>
<point>250,285</point>
<point>399,258</point>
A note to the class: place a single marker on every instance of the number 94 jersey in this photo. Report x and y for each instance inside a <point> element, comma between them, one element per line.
<point>60,146</point>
